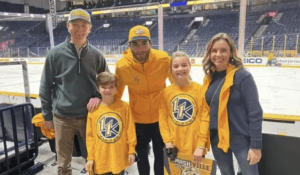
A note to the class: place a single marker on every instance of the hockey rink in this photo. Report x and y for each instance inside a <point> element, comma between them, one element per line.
<point>278,88</point>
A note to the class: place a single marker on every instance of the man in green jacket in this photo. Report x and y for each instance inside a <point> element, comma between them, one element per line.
<point>68,84</point>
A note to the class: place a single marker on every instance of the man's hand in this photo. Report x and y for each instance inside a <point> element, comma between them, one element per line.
<point>93,104</point>
<point>198,156</point>
<point>254,156</point>
<point>48,124</point>
<point>131,159</point>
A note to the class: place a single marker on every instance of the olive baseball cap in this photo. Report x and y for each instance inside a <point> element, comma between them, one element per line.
<point>79,14</point>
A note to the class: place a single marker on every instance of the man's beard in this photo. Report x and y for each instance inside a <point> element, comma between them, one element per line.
<point>141,60</point>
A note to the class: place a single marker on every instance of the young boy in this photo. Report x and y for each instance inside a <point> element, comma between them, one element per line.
<point>110,135</point>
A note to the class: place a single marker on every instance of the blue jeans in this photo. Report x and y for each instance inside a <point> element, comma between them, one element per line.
<point>239,146</point>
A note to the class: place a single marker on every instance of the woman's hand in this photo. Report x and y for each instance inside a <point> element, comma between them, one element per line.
<point>254,156</point>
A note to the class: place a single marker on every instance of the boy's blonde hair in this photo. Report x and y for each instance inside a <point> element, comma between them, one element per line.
<point>105,78</point>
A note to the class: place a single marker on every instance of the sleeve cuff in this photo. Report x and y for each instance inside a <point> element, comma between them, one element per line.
<point>256,144</point>
<point>167,141</point>
<point>201,143</point>
<point>48,117</point>
<point>131,150</point>
<point>88,159</point>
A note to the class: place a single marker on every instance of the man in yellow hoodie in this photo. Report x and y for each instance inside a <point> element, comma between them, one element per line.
<point>270,58</point>
<point>144,70</point>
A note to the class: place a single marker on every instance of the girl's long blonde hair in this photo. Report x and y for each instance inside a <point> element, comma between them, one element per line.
<point>234,59</point>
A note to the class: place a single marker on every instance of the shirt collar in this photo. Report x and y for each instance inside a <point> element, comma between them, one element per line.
<point>78,48</point>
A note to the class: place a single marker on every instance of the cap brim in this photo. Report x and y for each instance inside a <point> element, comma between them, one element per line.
<point>139,37</point>
<point>79,18</point>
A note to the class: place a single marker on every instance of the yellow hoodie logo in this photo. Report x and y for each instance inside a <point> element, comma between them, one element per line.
<point>136,78</point>
<point>109,127</point>
<point>183,109</point>
<point>139,31</point>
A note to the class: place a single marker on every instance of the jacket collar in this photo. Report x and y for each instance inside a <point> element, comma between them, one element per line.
<point>223,123</point>
<point>131,60</point>
<point>72,45</point>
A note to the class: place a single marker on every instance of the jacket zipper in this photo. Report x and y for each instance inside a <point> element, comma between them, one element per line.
<point>143,67</point>
<point>79,67</point>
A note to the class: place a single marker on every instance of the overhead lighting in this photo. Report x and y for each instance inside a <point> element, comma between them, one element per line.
<point>5,14</point>
<point>32,15</point>
<point>44,16</point>
<point>106,25</point>
<point>19,14</point>
<point>1,27</point>
<point>199,19</point>
<point>149,23</point>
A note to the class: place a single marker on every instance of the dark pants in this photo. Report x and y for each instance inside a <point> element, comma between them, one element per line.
<point>122,173</point>
<point>239,146</point>
<point>146,133</point>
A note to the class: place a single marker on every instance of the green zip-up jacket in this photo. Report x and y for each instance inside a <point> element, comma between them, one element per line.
<point>69,80</point>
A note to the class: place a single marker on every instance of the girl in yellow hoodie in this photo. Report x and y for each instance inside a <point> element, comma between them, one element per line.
<point>180,121</point>
<point>110,135</point>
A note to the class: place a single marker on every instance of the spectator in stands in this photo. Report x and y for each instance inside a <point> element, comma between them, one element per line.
<point>68,84</point>
<point>144,70</point>
<point>186,130</point>
<point>111,138</point>
<point>231,101</point>
<point>270,58</point>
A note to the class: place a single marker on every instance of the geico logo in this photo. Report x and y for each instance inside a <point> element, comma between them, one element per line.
<point>253,60</point>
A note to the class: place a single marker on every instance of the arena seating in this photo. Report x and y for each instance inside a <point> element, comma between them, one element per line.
<point>289,24</point>
<point>32,39</point>
<point>19,8</point>
<point>175,29</point>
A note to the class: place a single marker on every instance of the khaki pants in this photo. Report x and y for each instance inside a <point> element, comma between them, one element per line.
<point>65,130</point>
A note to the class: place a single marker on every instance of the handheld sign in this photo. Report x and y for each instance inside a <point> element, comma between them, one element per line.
<point>184,165</point>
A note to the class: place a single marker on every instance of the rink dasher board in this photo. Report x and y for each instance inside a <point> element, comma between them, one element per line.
<point>275,124</point>
<point>293,62</point>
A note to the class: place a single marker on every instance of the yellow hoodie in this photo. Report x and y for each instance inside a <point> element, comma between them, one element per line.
<point>223,123</point>
<point>145,82</point>
<point>180,118</point>
<point>110,137</point>
<point>270,57</point>
<point>38,121</point>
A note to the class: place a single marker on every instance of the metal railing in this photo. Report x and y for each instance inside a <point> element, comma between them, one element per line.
<point>16,127</point>
<point>280,45</point>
